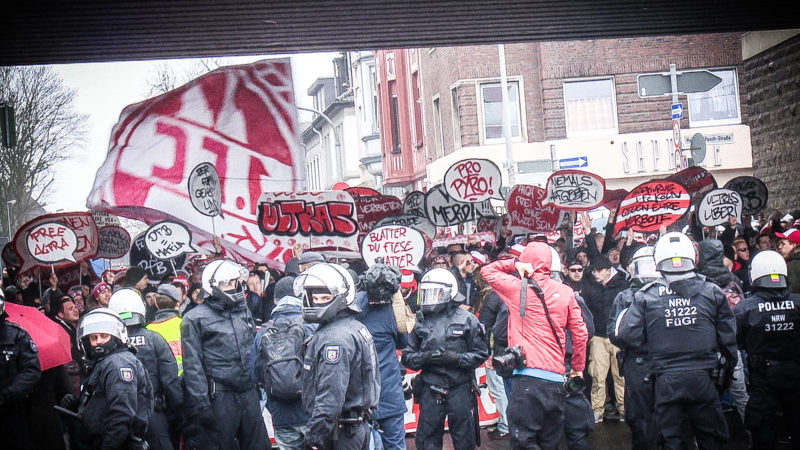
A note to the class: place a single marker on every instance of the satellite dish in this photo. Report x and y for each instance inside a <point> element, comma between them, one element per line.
<point>698,148</point>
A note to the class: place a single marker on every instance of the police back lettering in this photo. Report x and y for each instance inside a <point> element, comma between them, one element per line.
<point>778,321</point>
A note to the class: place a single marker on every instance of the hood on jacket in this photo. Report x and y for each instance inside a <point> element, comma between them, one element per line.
<point>710,263</point>
<point>539,255</point>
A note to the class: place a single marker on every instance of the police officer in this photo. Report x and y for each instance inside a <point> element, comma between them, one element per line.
<point>380,283</point>
<point>634,361</point>
<point>768,328</point>
<point>340,369</point>
<point>447,345</point>
<point>19,374</point>
<point>222,402</point>
<point>117,399</point>
<point>154,353</point>
<point>682,321</point>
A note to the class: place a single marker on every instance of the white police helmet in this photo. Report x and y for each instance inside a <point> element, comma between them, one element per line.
<point>129,305</point>
<point>325,278</point>
<point>643,266</point>
<point>768,270</point>
<point>100,320</point>
<point>437,288</point>
<point>222,271</point>
<point>674,253</point>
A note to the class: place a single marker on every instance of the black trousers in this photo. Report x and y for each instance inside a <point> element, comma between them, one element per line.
<point>691,394</point>
<point>458,407</point>
<point>639,400</point>
<point>238,422</point>
<point>14,433</point>
<point>772,389</point>
<point>535,413</point>
<point>578,421</point>
<point>157,434</point>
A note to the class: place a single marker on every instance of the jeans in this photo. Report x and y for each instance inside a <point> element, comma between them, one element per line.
<point>392,435</point>
<point>737,389</point>
<point>290,437</point>
<point>498,393</point>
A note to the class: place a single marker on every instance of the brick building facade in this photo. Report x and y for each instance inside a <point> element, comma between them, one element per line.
<point>773,86</point>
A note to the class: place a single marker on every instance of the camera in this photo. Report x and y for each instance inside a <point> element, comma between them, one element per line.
<point>513,358</point>
<point>574,385</point>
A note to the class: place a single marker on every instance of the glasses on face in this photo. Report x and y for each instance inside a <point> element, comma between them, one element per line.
<point>742,249</point>
<point>576,270</point>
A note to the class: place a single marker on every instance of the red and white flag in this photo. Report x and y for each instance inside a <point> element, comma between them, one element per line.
<point>240,119</point>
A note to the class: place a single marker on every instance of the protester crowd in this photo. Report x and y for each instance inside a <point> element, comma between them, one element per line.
<point>651,329</point>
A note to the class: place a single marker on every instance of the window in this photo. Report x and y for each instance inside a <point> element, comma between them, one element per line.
<point>590,107</point>
<point>395,126</point>
<point>456,118</point>
<point>719,106</point>
<point>492,109</point>
<point>373,93</point>
<point>437,118</point>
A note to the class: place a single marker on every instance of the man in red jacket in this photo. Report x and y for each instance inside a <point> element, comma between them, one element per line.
<point>536,407</point>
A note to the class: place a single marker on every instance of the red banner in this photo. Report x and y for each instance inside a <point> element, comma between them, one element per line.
<point>526,212</point>
<point>241,120</point>
<point>650,205</point>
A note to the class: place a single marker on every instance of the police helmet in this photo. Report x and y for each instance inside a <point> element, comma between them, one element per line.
<point>674,253</point>
<point>222,271</point>
<point>325,278</point>
<point>437,288</point>
<point>643,266</point>
<point>768,270</point>
<point>129,305</point>
<point>100,320</point>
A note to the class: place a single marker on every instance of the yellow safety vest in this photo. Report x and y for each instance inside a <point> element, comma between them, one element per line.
<point>170,330</point>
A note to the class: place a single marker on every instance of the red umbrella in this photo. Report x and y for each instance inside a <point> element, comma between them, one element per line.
<point>50,338</point>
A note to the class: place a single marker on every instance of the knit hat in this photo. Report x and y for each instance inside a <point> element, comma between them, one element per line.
<point>284,287</point>
<point>516,249</point>
<point>407,280</point>
<point>100,287</point>
<point>133,275</point>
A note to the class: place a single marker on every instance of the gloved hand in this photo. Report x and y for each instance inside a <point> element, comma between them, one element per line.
<point>427,357</point>
<point>69,402</point>
<point>444,357</point>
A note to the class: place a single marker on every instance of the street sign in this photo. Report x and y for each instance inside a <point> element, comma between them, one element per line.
<point>698,148</point>
<point>677,111</point>
<point>676,141</point>
<point>689,82</point>
<point>573,163</point>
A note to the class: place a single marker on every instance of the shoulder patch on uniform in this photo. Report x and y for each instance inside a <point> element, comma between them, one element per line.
<point>126,373</point>
<point>365,333</point>
<point>332,353</point>
<point>34,349</point>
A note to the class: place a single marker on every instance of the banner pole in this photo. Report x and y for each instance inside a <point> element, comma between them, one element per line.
<point>174,271</point>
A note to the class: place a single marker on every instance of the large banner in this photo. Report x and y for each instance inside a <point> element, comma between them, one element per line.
<point>239,120</point>
<point>56,240</point>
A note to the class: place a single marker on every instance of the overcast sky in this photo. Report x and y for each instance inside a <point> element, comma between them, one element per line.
<point>105,89</point>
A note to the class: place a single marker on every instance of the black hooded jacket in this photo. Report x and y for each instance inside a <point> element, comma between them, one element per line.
<point>710,264</point>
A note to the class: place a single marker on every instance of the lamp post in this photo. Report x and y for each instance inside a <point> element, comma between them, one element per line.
<point>8,211</point>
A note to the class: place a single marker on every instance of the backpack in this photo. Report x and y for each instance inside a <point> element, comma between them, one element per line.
<point>280,359</point>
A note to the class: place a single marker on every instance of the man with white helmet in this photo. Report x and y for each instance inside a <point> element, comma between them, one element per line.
<point>154,353</point>
<point>117,398</point>
<point>768,328</point>
<point>222,402</point>
<point>340,377</point>
<point>683,322</point>
<point>446,345</point>
<point>634,362</point>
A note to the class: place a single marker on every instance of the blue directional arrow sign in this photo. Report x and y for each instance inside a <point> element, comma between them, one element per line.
<point>573,163</point>
<point>677,111</point>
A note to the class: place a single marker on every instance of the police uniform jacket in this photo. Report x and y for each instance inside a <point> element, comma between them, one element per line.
<point>680,325</point>
<point>117,400</point>
<point>340,375</point>
<point>380,321</point>
<point>216,338</point>
<point>452,329</point>
<point>768,324</point>
<point>19,363</point>
<point>156,357</point>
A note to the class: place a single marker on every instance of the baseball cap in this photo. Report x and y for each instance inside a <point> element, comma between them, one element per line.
<point>516,249</point>
<point>170,291</point>
<point>309,257</point>
<point>787,218</point>
<point>478,257</point>
<point>791,234</point>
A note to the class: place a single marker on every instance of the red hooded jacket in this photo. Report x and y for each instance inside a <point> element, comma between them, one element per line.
<point>533,332</point>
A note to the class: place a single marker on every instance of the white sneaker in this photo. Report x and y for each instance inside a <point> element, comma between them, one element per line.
<point>598,417</point>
